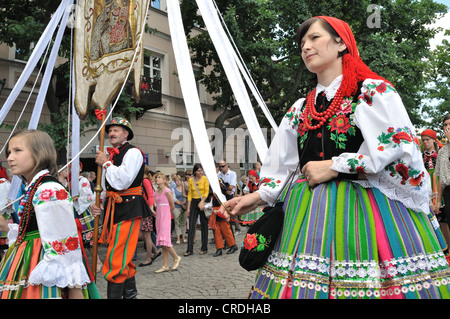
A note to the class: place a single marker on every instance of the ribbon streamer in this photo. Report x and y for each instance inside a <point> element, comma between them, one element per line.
<point>224,50</point>
<point>191,99</point>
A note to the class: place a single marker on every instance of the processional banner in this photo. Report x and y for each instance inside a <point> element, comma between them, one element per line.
<point>106,38</point>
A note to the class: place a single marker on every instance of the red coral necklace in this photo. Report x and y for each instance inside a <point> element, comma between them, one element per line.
<point>321,117</point>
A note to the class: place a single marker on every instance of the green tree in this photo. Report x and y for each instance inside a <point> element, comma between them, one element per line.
<point>437,93</point>
<point>264,32</point>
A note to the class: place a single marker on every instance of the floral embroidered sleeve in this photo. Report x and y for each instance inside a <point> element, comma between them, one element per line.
<point>85,196</point>
<point>282,157</point>
<point>390,156</point>
<point>62,263</point>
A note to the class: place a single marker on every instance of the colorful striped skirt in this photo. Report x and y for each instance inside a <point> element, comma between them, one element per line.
<point>16,267</point>
<point>340,240</point>
<point>252,216</point>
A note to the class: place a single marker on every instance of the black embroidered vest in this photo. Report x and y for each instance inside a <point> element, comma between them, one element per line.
<point>132,206</point>
<point>338,135</point>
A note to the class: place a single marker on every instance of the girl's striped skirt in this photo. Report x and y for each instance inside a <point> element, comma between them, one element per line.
<point>16,267</point>
<point>340,240</point>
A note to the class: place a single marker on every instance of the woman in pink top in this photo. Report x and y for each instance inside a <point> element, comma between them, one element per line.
<point>164,207</point>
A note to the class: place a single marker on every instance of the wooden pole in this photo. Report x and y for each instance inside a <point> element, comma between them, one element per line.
<point>98,190</point>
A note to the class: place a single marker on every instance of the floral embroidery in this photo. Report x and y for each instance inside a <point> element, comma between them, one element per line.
<point>61,194</point>
<point>341,124</point>
<point>398,169</point>
<point>62,247</point>
<point>46,195</point>
<point>394,137</point>
<point>270,181</point>
<point>256,242</point>
<point>357,165</point>
<point>375,88</point>
<point>50,195</point>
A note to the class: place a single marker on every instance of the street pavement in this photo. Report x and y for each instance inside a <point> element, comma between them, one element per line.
<point>197,277</point>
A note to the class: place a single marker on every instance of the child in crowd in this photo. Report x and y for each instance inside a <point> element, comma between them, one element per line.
<point>147,222</point>
<point>164,207</point>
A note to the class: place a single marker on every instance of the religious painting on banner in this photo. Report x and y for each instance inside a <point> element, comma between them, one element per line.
<point>106,36</point>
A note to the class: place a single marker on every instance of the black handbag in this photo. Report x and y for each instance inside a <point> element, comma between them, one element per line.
<point>262,235</point>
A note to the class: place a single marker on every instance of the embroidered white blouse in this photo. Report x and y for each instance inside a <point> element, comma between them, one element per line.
<point>389,155</point>
<point>62,264</point>
<point>85,196</point>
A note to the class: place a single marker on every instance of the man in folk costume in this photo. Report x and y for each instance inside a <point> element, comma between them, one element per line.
<point>122,178</point>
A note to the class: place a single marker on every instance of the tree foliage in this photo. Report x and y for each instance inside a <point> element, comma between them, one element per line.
<point>264,33</point>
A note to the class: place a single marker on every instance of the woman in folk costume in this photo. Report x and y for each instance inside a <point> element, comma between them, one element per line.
<point>431,146</point>
<point>356,221</point>
<point>46,257</point>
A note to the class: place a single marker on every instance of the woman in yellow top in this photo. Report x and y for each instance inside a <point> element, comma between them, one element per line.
<point>197,194</point>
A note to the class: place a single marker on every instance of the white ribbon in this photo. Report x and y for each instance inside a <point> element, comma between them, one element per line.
<point>191,99</point>
<point>246,75</point>
<point>227,58</point>
<point>16,181</point>
<point>32,61</point>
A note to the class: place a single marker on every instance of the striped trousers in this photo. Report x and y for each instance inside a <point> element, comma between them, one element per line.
<point>119,265</point>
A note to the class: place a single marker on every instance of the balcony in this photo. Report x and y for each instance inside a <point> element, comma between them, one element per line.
<point>150,95</point>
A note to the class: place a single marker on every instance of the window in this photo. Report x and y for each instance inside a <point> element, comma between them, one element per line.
<point>156,4</point>
<point>23,52</point>
<point>185,161</point>
<point>152,65</point>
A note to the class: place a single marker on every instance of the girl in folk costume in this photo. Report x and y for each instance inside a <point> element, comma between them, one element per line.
<point>164,207</point>
<point>356,221</point>
<point>46,257</point>
<point>82,204</point>
<point>251,187</point>
<point>431,146</point>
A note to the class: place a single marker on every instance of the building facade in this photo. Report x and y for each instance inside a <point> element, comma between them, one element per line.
<point>162,131</point>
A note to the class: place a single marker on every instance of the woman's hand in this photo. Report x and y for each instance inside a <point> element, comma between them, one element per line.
<point>201,205</point>
<point>317,172</point>
<point>241,205</point>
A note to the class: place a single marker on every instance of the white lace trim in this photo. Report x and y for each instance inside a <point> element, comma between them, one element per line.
<point>358,278</point>
<point>72,275</point>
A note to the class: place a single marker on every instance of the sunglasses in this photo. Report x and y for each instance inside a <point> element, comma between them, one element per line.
<point>223,165</point>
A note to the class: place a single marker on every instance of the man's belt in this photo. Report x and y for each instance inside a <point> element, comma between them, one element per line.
<point>115,197</point>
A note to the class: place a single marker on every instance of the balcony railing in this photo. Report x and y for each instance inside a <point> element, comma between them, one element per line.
<point>150,95</point>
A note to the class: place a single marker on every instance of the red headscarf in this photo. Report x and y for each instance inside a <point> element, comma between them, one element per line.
<point>354,69</point>
<point>433,135</point>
